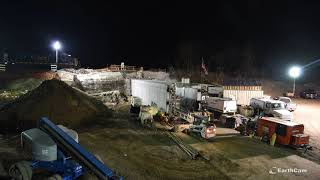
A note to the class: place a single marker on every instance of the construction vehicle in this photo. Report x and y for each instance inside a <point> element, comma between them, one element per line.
<point>196,123</point>
<point>271,107</point>
<point>287,132</point>
<point>203,126</point>
<point>55,149</point>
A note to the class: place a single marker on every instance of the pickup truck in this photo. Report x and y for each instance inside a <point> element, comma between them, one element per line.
<point>288,104</point>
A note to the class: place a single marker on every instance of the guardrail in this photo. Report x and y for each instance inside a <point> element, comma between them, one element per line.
<point>2,67</point>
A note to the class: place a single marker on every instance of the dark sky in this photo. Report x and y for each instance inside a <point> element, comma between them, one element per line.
<point>149,33</point>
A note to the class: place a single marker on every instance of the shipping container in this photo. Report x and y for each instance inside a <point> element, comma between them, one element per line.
<point>152,92</point>
<point>242,97</point>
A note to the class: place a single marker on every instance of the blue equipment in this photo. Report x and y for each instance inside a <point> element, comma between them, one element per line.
<point>53,149</point>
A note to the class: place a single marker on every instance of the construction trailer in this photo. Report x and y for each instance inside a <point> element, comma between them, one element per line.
<point>288,133</point>
<point>153,93</point>
<point>242,91</point>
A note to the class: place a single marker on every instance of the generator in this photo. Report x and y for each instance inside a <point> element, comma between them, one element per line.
<point>288,133</point>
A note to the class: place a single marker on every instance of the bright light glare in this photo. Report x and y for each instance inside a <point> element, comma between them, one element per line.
<point>57,45</point>
<point>295,72</point>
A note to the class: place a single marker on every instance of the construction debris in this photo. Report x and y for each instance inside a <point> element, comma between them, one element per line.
<point>88,75</point>
<point>111,97</point>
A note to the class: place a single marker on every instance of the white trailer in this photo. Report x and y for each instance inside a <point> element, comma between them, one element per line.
<point>223,105</point>
<point>152,92</point>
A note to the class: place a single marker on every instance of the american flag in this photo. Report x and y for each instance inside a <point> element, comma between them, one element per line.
<point>203,66</point>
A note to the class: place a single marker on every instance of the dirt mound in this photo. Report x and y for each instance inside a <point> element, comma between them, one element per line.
<point>55,100</point>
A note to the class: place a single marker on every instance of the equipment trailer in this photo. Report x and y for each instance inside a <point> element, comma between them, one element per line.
<point>287,133</point>
<point>53,149</point>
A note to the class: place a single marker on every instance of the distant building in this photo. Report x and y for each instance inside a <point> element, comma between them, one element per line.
<point>5,57</point>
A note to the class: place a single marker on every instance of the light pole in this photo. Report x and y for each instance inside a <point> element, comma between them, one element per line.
<point>57,47</point>
<point>294,72</point>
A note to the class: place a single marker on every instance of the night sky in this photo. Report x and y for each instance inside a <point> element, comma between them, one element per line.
<point>150,34</point>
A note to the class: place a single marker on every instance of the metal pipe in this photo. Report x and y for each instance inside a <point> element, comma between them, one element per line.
<point>294,86</point>
<point>57,56</point>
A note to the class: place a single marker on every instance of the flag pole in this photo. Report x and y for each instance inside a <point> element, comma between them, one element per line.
<point>201,70</point>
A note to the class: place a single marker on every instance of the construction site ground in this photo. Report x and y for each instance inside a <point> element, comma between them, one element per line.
<point>308,114</point>
<point>137,152</point>
<point>141,153</point>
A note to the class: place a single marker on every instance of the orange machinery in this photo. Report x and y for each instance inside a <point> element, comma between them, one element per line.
<point>288,132</point>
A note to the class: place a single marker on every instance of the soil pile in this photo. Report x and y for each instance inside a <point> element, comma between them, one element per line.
<point>53,99</point>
